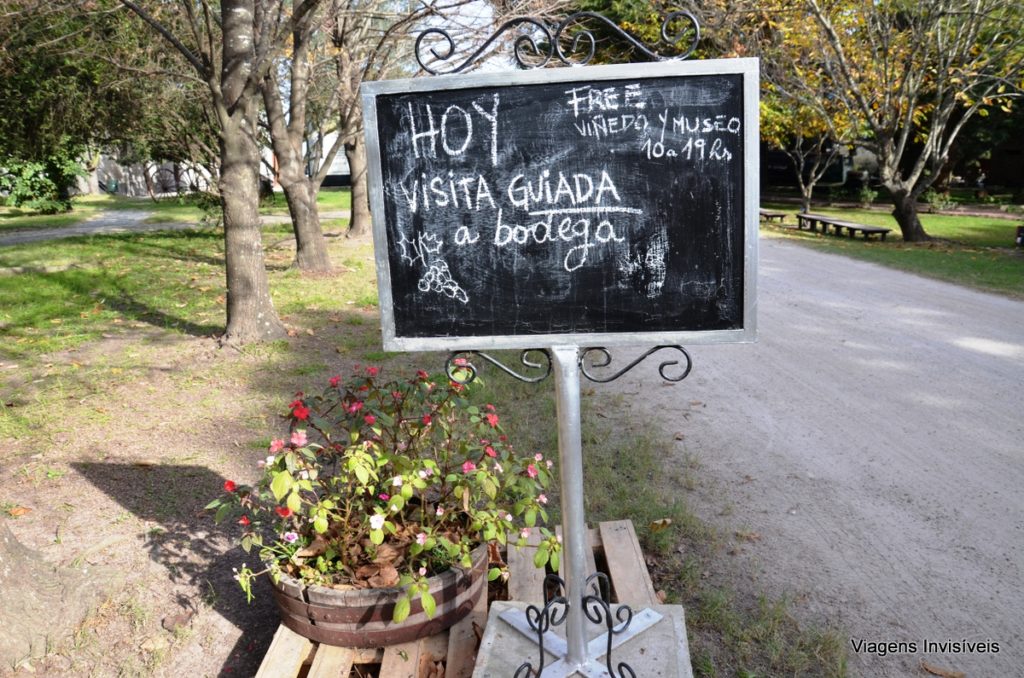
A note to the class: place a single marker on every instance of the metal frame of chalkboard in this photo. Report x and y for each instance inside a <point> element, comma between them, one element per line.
<point>747,68</point>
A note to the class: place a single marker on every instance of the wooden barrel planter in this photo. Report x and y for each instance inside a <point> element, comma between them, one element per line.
<point>362,618</point>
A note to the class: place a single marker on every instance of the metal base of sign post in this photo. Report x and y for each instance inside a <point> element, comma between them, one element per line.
<point>658,647</point>
<point>579,650</point>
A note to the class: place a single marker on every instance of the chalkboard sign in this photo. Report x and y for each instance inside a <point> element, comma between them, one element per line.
<point>594,206</point>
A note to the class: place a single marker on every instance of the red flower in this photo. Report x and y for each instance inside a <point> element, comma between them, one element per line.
<point>355,407</point>
<point>229,486</point>
<point>426,420</point>
<point>334,381</point>
<point>492,419</point>
<point>531,471</point>
<point>490,451</point>
<point>370,420</point>
<point>299,409</point>
<point>244,521</point>
<point>373,371</point>
<point>283,511</point>
<point>422,375</point>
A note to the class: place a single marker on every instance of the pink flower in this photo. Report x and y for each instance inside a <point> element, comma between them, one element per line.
<point>373,371</point>
<point>531,471</point>
<point>439,512</point>
<point>384,496</point>
<point>468,467</point>
<point>524,533</point>
<point>396,481</point>
<point>538,457</point>
<point>370,420</point>
<point>376,521</point>
<point>498,468</point>
<point>422,375</point>
<point>489,407</point>
<point>276,446</point>
<point>426,472</point>
<point>355,407</point>
<point>492,419</point>
<point>291,537</point>
<point>423,572</point>
<point>490,452</point>
<point>334,381</point>
<point>421,538</point>
<point>298,437</point>
<point>549,463</point>
<point>460,362</point>
<point>542,498</point>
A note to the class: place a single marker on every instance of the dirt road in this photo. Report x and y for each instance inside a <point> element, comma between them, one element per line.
<point>874,439</point>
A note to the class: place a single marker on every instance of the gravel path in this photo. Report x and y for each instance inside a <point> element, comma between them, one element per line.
<point>123,221</point>
<point>874,439</point>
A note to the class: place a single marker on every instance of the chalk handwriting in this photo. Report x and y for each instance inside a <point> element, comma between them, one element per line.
<point>588,99</point>
<point>575,189</point>
<point>454,126</point>
<point>447,190</point>
<point>572,228</point>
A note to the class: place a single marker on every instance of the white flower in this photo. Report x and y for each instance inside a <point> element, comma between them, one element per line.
<point>439,512</point>
<point>376,521</point>
<point>538,457</point>
<point>396,481</point>
<point>498,468</point>
<point>423,572</point>
<point>542,498</point>
<point>525,532</point>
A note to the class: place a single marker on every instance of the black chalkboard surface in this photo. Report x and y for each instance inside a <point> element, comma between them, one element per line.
<point>607,204</point>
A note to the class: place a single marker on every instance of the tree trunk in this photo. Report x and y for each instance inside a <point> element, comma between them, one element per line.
<point>359,224</point>
<point>40,603</point>
<point>905,211</point>
<point>251,314</point>
<point>310,244</point>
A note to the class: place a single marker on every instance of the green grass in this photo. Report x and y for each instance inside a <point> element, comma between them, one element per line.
<point>973,251</point>
<point>329,199</point>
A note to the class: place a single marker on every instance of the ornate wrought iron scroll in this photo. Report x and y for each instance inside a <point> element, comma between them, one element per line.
<point>460,370</point>
<point>603,358</point>
<point>535,49</point>
<point>555,609</point>
<point>599,611</point>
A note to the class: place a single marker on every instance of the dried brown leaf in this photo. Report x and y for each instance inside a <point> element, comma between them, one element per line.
<point>387,577</point>
<point>316,547</point>
<point>944,673</point>
<point>19,511</point>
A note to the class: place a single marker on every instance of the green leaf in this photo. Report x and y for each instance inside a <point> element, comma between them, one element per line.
<point>493,573</point>
<point>362,475</point>
<point>402,607</point>
<point>540,559</point>
<point>531,517</point>
<point>212,505</point>
<point>377,537</point>
<point>429,605</point>
<point>247,543</point>
<point>320,524</point>
<point>397,503</point>
<point>294,502</point>
<point>554,561</point>
<point>490,488</point>
<point>280,485</point>
<point>222,513</point>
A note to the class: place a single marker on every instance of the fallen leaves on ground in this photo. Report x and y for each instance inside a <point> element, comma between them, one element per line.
<point>944,673</point>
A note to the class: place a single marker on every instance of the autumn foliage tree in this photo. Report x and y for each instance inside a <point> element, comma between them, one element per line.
<point>913,74</point>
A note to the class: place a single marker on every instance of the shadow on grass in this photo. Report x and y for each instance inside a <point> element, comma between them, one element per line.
<point>196,554</point>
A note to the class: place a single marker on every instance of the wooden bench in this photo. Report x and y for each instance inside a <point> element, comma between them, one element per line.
<point>452,654</point>
<point>769,215</point>
<point>813,221</point>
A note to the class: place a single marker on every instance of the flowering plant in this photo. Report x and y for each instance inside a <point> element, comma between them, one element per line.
<point>383,484</point>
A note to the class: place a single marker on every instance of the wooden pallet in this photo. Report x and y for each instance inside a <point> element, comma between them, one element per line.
<point>452,654</point>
